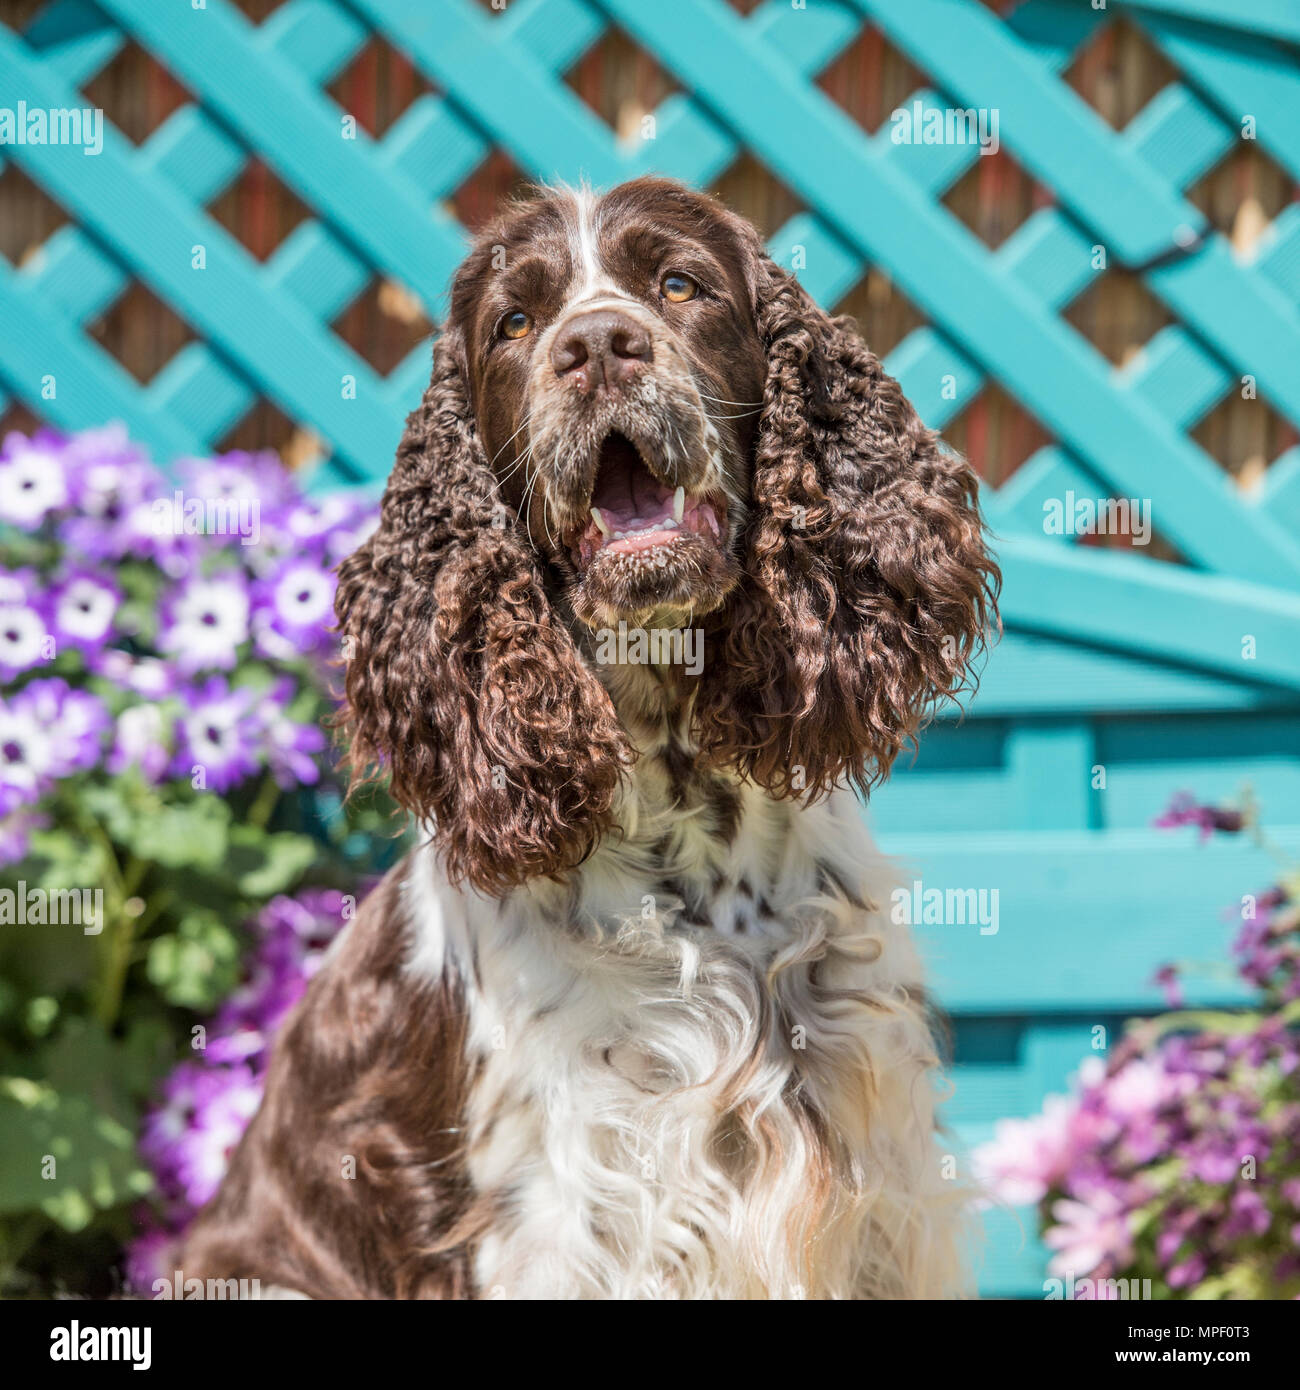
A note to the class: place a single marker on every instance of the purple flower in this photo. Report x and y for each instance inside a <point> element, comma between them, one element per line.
<point>145,676</point>
<point>296,605</point>
<point>206,622</point>
<point>289,747</point>
<point>189,1138</point>
<point>1087,1234</point>
<point>15,833</point>
<point>24,638</point>
<point>334,526</point>
<point>219,734</point>
<point>1247,1215</point>
<point>27,757</point>
<point>293,935</point>
<point>1184,810</point>
<point>1191,1271</point>
<point>1167,978</point>
<point>32,480</point>
<point>83,609</point>
<point>149,1257</point>
<point>239,477</point>
<point>47,731</point>
<point>141,740</point>
<point>75,719</point>
<point>113,486</point>
<point>1027,1157</point>
<point>205,1105</point>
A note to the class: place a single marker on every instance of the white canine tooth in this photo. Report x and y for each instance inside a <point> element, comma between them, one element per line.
<point>679,504</point>
<point>600,521</point>
<point>668,524</point>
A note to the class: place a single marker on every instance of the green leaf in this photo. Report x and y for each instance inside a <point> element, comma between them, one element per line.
<point>60,1155</point>
<point>197,965</point>
<point>192,834</point>
<point>111,804</point>
<point>264,864</point>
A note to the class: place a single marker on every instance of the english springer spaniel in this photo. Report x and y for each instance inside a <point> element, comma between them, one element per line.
<point>668,571</point>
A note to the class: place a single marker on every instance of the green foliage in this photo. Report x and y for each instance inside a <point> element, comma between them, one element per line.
<point>89,1023</point>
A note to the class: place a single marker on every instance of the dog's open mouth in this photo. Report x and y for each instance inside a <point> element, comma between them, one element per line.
<point>632,512</point>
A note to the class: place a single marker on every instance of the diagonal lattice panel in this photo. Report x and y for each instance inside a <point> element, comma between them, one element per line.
<point>995,315</point>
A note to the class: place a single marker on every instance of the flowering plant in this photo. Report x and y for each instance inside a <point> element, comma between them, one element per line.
<point>164,653</point>
<point>1178,1159</point>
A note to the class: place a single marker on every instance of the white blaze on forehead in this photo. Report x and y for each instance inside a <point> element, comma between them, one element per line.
<point>590,278</point>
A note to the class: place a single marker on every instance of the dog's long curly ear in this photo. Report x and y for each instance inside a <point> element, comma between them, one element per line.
<point>868,586</point>
<point>461,682</point>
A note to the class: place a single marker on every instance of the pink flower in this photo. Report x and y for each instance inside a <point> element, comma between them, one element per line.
<point>1027,1157</point>
<point>1088,1233</point>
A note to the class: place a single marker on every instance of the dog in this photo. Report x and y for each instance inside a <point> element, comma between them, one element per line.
<point>633,1020</point>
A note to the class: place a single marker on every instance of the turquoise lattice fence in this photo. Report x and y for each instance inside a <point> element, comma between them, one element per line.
<point>1121,677</point>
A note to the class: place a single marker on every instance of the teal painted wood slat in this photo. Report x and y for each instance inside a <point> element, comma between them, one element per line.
<point>811,144</point>
<point>89,384</point>
<point>1106,180</point>
<point>1050,764</point>
<point>547,128</point>
<point>268,102</point>
<point>150,226</point>
<point>75,37</point>
<point>1274,18</point>
<point>1242,73</point>
<point>1117,601</point>
<point>1084,918</point>
<point>963,44</point>
<point>1031,674</point>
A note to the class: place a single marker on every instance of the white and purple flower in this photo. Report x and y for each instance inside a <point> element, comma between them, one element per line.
<point>291,748</point>
<point>206,622</point>
<point>295,605</point>
<point>219,734</point>
<point>141,740</point>
<point>32,479</point>
<point>82,610</point>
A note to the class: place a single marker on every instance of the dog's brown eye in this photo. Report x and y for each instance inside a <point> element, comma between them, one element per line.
<point>679,288</point>
<point>516,325</point>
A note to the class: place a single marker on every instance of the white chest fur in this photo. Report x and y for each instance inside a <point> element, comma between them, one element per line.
<point>671,1110</point>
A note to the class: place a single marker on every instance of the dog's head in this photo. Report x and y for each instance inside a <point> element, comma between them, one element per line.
<point>636,415</point>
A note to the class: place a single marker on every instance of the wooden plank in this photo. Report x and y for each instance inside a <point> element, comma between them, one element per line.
<point>1242,74</point>
<point>89,383</point>
<point>1156,609</point>
<point>818,151</point>
<point>1032,674</point>
<point>297,131</point>
<point>1279,492</point>
<point>1107,181</point>
<point>971,54</point>
<point>1049,763</point>
<point>1083,918</point>
<point>1277,19</point>
<point>74,37</point>
<point>153,229</point>
<point>510,95</point>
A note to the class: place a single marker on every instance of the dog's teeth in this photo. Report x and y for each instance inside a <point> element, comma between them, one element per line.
<point>600,521</point>
<point>679,504</point>
<point>668,524</point>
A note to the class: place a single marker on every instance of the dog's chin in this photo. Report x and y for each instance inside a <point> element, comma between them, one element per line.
<point>664,580</point>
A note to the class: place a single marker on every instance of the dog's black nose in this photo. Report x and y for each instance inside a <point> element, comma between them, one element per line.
<point>601,346</point>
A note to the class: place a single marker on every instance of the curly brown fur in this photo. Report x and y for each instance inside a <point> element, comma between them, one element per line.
<point>868,586</point>
<point>461,681</point>
<point>832,551</point>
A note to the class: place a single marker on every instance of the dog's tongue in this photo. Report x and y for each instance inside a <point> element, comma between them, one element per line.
<point>626,492</point>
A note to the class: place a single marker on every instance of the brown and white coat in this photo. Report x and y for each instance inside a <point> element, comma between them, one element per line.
<point>635,1021</point>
